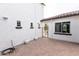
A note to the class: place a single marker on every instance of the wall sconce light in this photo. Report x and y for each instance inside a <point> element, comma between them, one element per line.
<point>5,18</point>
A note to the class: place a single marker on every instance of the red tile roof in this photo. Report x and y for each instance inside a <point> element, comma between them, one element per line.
<point>68,14</point>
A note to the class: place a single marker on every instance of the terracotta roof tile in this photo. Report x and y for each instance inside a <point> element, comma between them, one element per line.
<point>68,14</point>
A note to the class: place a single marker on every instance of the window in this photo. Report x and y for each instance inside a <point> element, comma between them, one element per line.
<point>62,28</point>
<point>66,27</point>
<point>58,27</point>
<point>18,25</point>
<point>31,25</point>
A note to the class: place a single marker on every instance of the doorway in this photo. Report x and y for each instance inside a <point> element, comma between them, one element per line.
<point>45,30</point>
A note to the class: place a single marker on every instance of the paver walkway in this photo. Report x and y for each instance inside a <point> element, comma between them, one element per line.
<point>47,47</point>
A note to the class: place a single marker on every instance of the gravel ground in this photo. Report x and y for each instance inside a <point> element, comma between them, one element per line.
<point>46,47</point>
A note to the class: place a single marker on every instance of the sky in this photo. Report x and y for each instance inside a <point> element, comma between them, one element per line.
<point>55,7</point>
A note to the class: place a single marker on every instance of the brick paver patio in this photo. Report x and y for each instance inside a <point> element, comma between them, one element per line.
<point>46,47</point>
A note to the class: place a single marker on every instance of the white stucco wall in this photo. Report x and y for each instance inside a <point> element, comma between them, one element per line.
<point>74,29</point>
<point>26,13</point>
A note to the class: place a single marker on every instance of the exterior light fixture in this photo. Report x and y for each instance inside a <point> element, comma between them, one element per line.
<point>5,18</point>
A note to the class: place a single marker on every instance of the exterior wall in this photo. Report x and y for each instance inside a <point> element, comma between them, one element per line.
<point>26,13</point>
<point>74,29</point>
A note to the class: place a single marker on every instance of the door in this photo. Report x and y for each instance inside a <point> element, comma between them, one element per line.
<point>45,30</point>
